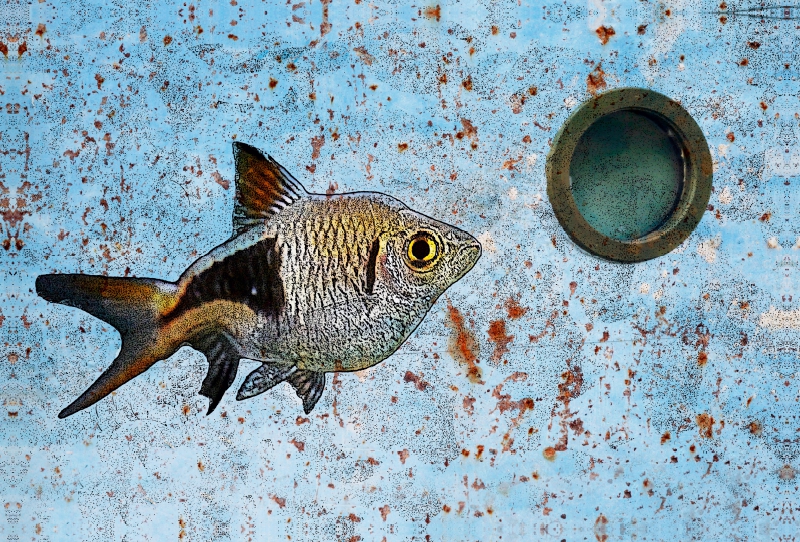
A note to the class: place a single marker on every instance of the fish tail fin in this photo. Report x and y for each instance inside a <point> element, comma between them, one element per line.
<point>132,306</point>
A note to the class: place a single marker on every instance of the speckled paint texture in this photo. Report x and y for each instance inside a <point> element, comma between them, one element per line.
<point>548,395</point>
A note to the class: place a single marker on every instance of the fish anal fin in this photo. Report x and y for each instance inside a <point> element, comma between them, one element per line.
<point>309,386</point>
<point>262,187</point>
<point>223,362</point>
<point>266,377</point>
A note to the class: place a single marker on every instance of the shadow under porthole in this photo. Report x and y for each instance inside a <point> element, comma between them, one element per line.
<point>629,175</point>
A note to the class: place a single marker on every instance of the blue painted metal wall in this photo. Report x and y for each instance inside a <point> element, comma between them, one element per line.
<point>549,395</point>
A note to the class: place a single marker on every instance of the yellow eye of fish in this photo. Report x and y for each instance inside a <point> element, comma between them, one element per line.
<point>422,250</point>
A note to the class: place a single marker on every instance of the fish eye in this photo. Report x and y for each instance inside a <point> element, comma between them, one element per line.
<point>422,251</point>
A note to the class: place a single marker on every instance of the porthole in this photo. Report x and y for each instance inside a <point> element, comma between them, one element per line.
<point>629,175</point>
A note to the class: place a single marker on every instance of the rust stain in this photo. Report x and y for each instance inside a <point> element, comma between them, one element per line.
<point>316,144</point>
<point>365,57</point>
<point>278,500</point>
<point>462,345</point>
<point>167,40</point>
<point>325,26</point>
<point>299,444</point>
<point>504,403</point>
<point>467,83</point>
<point>596,80</point>
<point>514,309</point>
<point>568,389</point>
<point>705,423</point>
<point>497,335</point>
<point>549,453</point>
<point>420,384</point>
<point>4,49</point>
<point>433,12</point>
<point>402,147</point>
<point>40,30</point>
<point>469,131</point>
<point>702,358</point>
<point>23,48</point>
<point>605,33</point>
<point>273,82</point>
<point>755,428</point>
<point>600,528</point>
<point>384,511</point>
<point>665,437</point>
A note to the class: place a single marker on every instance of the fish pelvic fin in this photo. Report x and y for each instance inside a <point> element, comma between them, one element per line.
<point>263,187</point>
<point>309,386</point>
<point>266,377</point>
<point>132,306</point>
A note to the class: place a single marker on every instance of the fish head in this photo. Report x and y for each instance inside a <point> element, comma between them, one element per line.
<point>421,257</point>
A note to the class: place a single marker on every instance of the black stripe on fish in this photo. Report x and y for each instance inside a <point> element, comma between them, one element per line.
<point>250,276</point>
<point>372,262</point>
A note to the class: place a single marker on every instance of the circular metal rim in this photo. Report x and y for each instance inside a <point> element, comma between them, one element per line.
<point>695,193</point>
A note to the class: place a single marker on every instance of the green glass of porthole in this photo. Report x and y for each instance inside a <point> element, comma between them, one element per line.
<point>629,175</point>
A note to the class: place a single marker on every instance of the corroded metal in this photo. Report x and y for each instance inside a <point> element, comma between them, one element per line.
<point>694,192</point>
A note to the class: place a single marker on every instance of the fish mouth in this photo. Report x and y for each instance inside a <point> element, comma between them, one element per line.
<point>470,253</point>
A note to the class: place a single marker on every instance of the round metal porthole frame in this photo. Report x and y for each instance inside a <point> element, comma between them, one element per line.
<point>695,192</point>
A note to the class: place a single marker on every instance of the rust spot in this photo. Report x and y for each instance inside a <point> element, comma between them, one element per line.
<point>763,106</point>
<point>755,428</point>
<point>596,80</point>
<point>4,49</point>
<point>40,30</point>
<point>744,62</point>
<point>316,144</point>
<point>462,344</point>
<point>514,309</point>
<point>200,466</point>
<point>167,40</point>
<point>497,335</point>
<point>605,33</point>
<point>753,44</point>
<point>279,501</point>
<point>526,139</point>
<point>299,444</point>
<point>384,511</point>
<point>731,137</point>
<point>273,82</point>
<point>702,359</point>
<point>186,409</point>
<point>470,132</point>
<point>100,80</point>
<point>641,29</point>
<point>723,19</point>
<point>420,384</point>
<point>765,217</point>
<point>365,57</point>
<point>668,13</point>
<point>600,528</point>
<point>705,423</point>
<point>549,453</point>
<point>23,48</point>
<point>495,30</point>
<point>467,83</point>
<point>373,88</point>
<point>402,147</point>
<point>433,12</point>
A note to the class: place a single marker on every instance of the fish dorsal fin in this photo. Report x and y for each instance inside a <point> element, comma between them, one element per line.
<point>263,187</point>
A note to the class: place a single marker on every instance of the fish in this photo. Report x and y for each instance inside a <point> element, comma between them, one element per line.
<point>308,284</point>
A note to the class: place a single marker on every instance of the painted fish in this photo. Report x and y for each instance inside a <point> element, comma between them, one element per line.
<point>308,284</point>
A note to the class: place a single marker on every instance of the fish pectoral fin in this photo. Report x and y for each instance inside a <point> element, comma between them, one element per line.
<point>266,377</point>
<point>309,386</point>
<point>223,362</point>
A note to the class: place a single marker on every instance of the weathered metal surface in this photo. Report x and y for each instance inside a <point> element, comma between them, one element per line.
<point>548,395</point>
